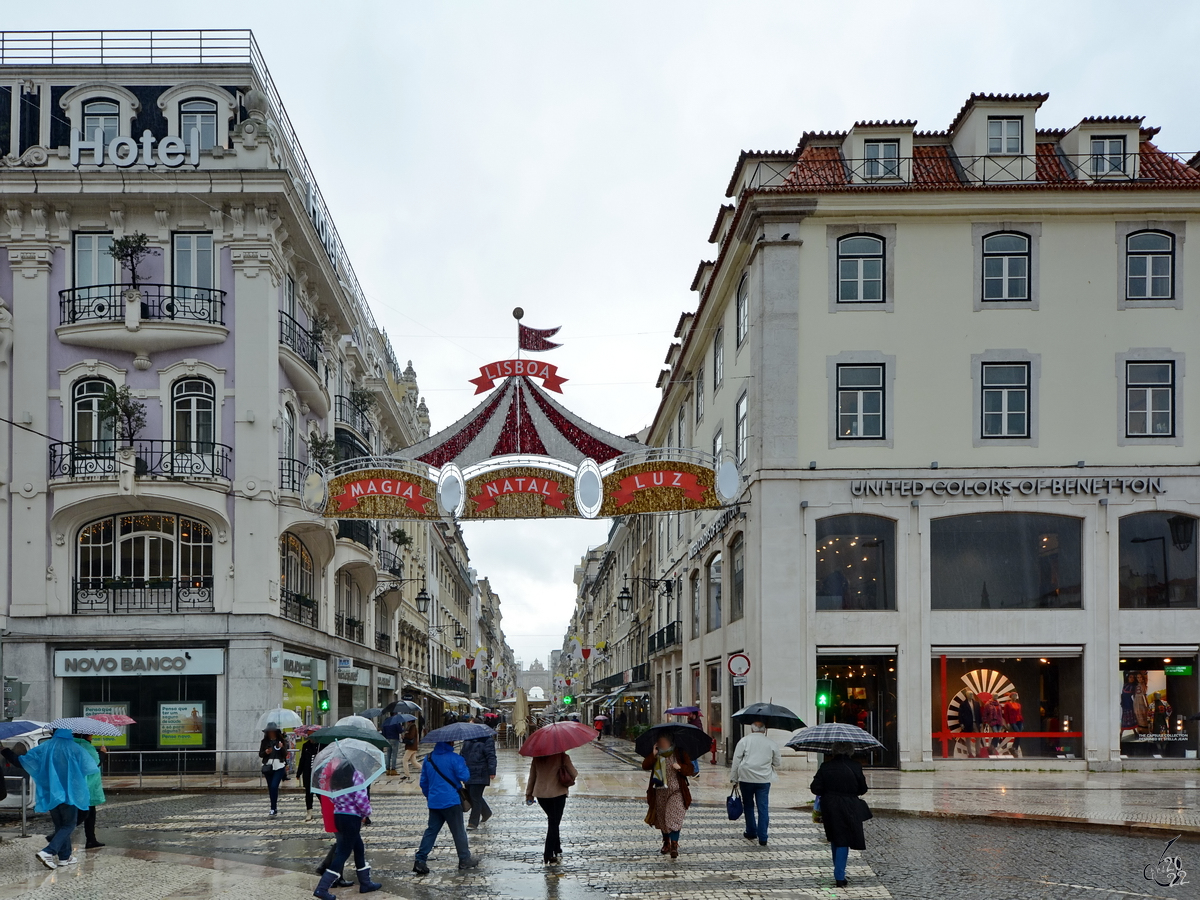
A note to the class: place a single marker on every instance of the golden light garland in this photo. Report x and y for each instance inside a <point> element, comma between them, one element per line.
<point>381,505</point>
<point>511,502</point>
<point>656,499</point>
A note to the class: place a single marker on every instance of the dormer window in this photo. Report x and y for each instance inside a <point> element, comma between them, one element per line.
<point>199,115</point>
<point>103,116</point>
<point>1108,156</point>
<point>882,159</point>
<point>1004,136</point>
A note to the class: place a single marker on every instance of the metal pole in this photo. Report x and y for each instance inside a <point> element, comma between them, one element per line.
<point>24,807</point>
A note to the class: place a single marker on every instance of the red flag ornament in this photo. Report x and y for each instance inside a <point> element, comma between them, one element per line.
<point>536,339</point>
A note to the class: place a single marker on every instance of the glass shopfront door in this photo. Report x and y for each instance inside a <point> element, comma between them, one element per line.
<point>864,694</point>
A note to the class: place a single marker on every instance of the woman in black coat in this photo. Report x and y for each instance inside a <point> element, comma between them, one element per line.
<point>839,783</point>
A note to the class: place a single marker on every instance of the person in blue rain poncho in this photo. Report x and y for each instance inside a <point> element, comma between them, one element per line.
<point>60,769</point>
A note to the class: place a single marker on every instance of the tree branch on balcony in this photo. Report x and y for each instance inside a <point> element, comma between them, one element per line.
<point>322,450</point>
<point>363,399</point>
<point>129,251</point>
<point>400,537</point>
<point>127,413</point>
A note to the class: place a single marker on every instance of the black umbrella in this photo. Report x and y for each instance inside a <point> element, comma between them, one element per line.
<point>693,741</point>
<point>770,714</point>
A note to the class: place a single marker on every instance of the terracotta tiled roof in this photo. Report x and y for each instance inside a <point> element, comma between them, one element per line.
<point>1051,134</point>
<point>1165,168</point>
<point>882,123</point>
<point>754,154</point>
<point>725,210</point>
<point>809,136</point>
<point>683,323</point>
<point>1039,99</point>
<point>1112,120</point>
<point>704,264</point>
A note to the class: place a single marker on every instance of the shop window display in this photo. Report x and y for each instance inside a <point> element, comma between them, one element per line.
<point>864,694</point>
<point>1158,695</point>
<point>1005,561</point>
<point>1008,708</point>
<point>856,562</point>
<point>1158,561</point>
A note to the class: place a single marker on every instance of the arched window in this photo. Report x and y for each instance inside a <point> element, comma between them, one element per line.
<point>103,116</point>
<point>1006,266</point>
<point>92,432</point>
<point>200,116</point>
<point>856,562</point>
<point>1006,560</point>
<point>737,581</point>
<point>295,567</point>
<point>287,435</point>
<point>1157,565</point>
<point>1149,266</point>
<point>713,579</point>
<point>193,415</point>
<point>144,561</point>
<point>860,269</point>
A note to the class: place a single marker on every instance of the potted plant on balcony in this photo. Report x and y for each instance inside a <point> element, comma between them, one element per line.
<point>322,450</point>
<point>363,399</point>
<point>400,537</point>
<point>130,251</point>
<point>128,417</point>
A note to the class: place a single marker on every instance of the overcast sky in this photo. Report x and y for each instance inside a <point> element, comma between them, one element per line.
<point>570,158</point>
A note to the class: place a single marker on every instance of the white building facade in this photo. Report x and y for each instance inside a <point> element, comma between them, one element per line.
<point>953,369</point>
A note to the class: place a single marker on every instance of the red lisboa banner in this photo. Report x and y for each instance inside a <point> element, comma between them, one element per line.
<point>549,491</point>
<point>659,478</point>
<point>530,368</point>
<point>410,493</point>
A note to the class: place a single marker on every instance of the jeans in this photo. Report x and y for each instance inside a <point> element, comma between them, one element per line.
<point>64,818</point>
<point>553,807</point>
<point>479,806</point>
<point>756,793</point>
<point>274,780</point>
<point>451,816</point>
<point>393,751</point>
<point>840,855</point>
<point>349,840</point>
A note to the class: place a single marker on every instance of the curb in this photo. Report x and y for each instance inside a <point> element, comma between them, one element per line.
<point>1187,833</point>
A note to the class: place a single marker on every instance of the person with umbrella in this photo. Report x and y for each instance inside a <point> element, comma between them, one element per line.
<point>668,795</point>
<point>551,774</point>
<point>343,770</point>
<point>273,751</point>
<point>480,756</point>
<point>442,777</point>
<point>755,762</point>
<point>304,766</point>
<point>60,769</point>
<point>412,742</point>
<point>392,729</point>
<point>840,783</point>
<point>95,793</point>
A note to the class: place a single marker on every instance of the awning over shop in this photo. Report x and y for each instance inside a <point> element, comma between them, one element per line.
<point>475,704</point>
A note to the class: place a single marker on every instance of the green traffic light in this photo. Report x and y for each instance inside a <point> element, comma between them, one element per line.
<point>822,700</point>
<point>323,701</point>
<point>568,700</point>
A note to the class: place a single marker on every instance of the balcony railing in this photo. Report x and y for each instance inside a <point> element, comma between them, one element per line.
<point>610,683</point>
<point>361,531</point>
<point>665,638</point>
<point>135,596</point>
<point>383,642</point>
<point>350,629</point>
<point>391,563</point>
<point>298,338</point>
<point>292,474</point>
<point>441,682</point>
<point>160,302</point>
<point>94,460</point>
<point>347,412</point>
<point>298,608</point>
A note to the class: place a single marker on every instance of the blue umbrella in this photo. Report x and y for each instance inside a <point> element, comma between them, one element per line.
<point>458,731</point>
<point>13,729</point>
<point>372,712</point>
<point>392,727</point>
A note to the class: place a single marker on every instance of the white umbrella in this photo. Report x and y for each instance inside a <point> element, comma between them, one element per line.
<point>346,766</point>
<point>357,722</point>
<point>279,718</point>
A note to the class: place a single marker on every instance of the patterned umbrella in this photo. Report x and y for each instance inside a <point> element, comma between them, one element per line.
<point>823,738</point>
<point>457,731</point>
<point>85,725</point>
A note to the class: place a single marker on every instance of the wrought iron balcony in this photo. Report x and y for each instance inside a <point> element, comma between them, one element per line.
<point>665,638</point>
<point>361,531</point>
<point>94,460</point>
<point>391,563</point>
<point>299,339</point>
<point>346,627</point>
<point>137,596</point>
<point>383,642</point>
<point>441,682</point>
<point>347,412</point>
<point>612,682</point>
<point>292,474</point>
<point>298,608</point>
<point>160,303</point>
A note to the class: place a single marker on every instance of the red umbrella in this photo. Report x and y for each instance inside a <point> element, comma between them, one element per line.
<point>114,718</point>
<point>557,737</point>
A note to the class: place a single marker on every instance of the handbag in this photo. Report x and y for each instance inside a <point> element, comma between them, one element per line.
<point>733,804</point>
<point>864,811</point>
<point>464,799</point>
<point>267,770</point>
<point>565,778</point>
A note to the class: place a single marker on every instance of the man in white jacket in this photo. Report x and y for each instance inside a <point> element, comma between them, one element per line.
<point>754,763</point>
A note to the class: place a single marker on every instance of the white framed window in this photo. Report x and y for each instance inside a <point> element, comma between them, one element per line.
<point>700,393</point>
<point>289,296</point>
<point>92,432</point>
<point>295,566</point>
<point>882,159</point>
<point>194,262</point>
<point>718,444</point>
<point>93,264</point>
<point>193,415</point>
<point>1149,266</point>
<point>1150,399</point>
<point>103,116</point>
<point>860,400</point>
<point>1108,156</point>
<point>743,310</point>
<point>682,426</point>
<point>718,359</point>
<point>860,269</point>
<point>287,434</point>
<point>713,573</point>
<point>1006,266</point>
<point>1004,136</point>
<point>1005,400</point>
<point>199,116</point>
<point>741,437</point>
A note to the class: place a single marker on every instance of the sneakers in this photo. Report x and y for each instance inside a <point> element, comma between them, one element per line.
<point>470,862</point>
<point>73,861</point>
<point>272,814</point>
<point>49,860</point>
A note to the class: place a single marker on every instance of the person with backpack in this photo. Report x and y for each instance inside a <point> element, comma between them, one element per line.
<point>442,777</point>
<point>549,781</point>
<point>755,761</point>
<point>480,757</point>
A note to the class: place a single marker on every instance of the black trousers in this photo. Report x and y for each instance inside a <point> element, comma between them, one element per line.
<point>88,821</point>
<point>553,807</point>
<point>479,806</point>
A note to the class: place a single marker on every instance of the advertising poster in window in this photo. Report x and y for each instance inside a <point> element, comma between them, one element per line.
<point>181,724</point>
<point>121,741</point>
<point>1146,713</point>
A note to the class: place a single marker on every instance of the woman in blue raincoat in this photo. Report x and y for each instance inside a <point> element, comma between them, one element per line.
<point>60,769</point>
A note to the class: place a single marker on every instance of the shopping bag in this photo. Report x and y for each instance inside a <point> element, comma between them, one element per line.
<point>733,805</point>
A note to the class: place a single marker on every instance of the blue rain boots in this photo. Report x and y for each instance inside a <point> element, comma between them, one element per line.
<point>328,877</point>
<point>365,884</point>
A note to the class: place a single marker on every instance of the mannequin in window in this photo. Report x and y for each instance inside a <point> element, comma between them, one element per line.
<point>1160,714</point>
<point>992,718</point>
<point>969,718</point>
<point>1129,689</point>
<point>1141,708</point>
<point>1014,719</point>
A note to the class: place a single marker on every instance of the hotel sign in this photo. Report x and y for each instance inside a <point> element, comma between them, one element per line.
<point>1005,487</point>
<point>123,151</point>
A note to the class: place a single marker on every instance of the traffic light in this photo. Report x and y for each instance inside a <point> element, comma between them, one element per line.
<point>322,701</point>
<point>568,700</point>
<point>824,693</point>
<point>15,692</point>
<point>312,681</point>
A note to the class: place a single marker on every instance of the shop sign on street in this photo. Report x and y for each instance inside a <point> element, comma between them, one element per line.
<point>167,661</point>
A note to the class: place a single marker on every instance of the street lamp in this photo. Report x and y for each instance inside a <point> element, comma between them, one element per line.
<point>459,637</point>
<point>423,601</point>
<point>624,598</point>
